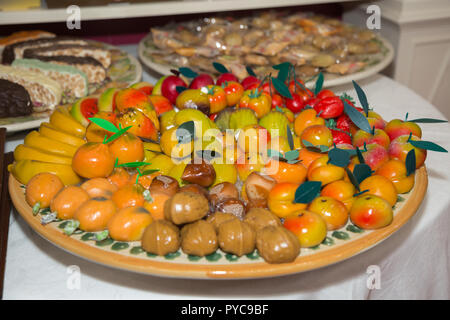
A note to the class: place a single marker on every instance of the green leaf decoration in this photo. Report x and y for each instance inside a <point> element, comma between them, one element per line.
<point>172,255</point>
<point>427,120</point>
<point>361,97</point>
<point>362,171</point>
<point>104,243</point>
<point>117,135</point>
<point>318,148</point>
<point>345,96</point>
<point>71,226</point>
<point>149,171</point>
<point>341,235</point>
<point>354,229</point>
<point>136,250</point>
<point>101,235</point>
<point>193,258</point>
<point>250,71</point>
<point>360,193</point>
<point>219,67</point>
<point>400,198</point>
<point>360,156</point>
<point>231,257</point>
<point>281,88</point>
<point>303,88</point>
<point>410,162</point>
<point>274,154</point>
<point>187,72</point>
<point>180,89</point>
<point>319,84</point>
<point>134,164</point>
<point>185,132</point>
<point>36,208</point>
<point>307,191</point>
<point>357,118</point>
<point>352,178</point>
<point>291,155</point>
<point>427,145</point>
<point>328,241</point>
<point>88,236</point>
<point>283,70</point>
<point>338,157</point>
<point>213,257</point>
<point>151,255</point>
<point>104,124</point>
<point>290,138</point>
<point>254,255</point>
<point>119,246</point>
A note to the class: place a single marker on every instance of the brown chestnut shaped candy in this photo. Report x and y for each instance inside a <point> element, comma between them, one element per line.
<point>199,239</point>
<point>217,218</point>
<point>259,218</point>
<point>236,237</point>
<point>277,244</point>
<point>195,188</point>
<point>161,237</point>
<point>223,191</point>
<point>199,172</point>
<point>234,206</point>
<point>185,207</point>
<point>257,188</point>
<point>164,184</point>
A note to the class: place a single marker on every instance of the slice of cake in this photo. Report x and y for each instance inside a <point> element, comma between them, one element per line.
<point>16,50</point>
<point>24,36</point>
<point>14,100</point>
<point>74,82</point>
<point>91,67</point>
<point>45,93</point>
<point>100,54</point>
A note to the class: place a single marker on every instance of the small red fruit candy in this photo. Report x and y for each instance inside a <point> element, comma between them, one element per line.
<point>225,77</point>
<point>330,107</point>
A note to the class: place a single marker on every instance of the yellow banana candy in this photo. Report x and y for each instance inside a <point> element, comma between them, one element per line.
<point>24,170</point>
<point>36,140</point>
<point>64,122</point>
<point>47,130</point>
<point>23,152</point>
<point>150,146</point>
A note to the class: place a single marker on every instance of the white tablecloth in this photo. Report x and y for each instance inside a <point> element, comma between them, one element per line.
<point>414,263</point>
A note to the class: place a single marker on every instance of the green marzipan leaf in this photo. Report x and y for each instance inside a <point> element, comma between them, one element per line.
<point>362,98</point>
<point>180,89</point>
<point>338,157</point>
<point>427,120</point>
<point>119,246</point>
<point>307,191</point>
<point>213,257</point>
<point>410,162</point>
<point>117,135</point>
<point>220,67</point>
<point>358,119</point>
<point>291,155</point>
<point>136,250</point>
<point>281,88</point>
<point>188,72</point>
<point>274,154</point>
<point>290,138</point>
<point>361,172</point>
<point>427,145</point>
<point>104,124</point>
<point>134,164</point>
<point>328,241</point>
<point>283,70</point>
<point>185,132</point>
<point>250,71</point>
<point>352,178</point>
<point>319,84</point>
<point>400,199</point>
<point>231,257</point>
<point>319,148</point>
<point>149,171</point>
<point>360,156</point>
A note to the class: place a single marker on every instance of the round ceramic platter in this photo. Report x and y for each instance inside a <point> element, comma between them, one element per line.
<point>375,64</point>
<point>338,245</point>
<point>124,69</point>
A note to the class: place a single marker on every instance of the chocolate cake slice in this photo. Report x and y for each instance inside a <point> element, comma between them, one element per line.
<point>100,54</point>
<point>16,50</point>
<point>14,100</point>
<point>88,65</point>
<point>45,93</point>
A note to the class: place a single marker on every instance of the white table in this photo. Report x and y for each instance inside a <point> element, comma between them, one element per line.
<point>413,263</point>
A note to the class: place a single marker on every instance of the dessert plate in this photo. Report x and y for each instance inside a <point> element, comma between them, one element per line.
<point>338,245</point>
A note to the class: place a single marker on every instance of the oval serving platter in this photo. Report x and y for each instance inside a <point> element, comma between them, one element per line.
<point>375,64</point>
<point>338,245</point>
<point>125,68</point>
